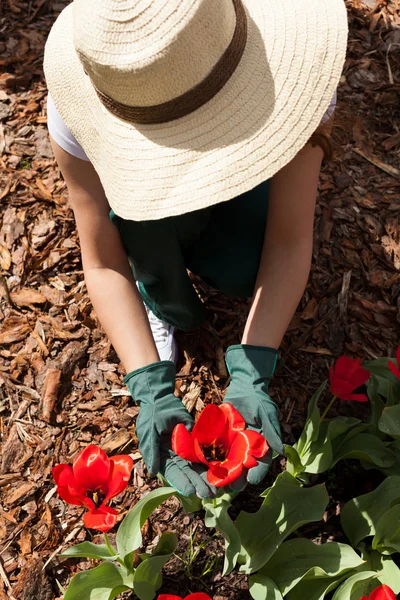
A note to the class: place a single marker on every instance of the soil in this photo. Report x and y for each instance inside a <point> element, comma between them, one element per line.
<point>60,380</point>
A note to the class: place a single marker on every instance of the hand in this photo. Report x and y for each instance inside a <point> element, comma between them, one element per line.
<point>251,368</point>
<point>152,387</point>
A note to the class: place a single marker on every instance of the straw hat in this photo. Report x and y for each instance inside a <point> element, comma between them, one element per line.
<point>182,104</point>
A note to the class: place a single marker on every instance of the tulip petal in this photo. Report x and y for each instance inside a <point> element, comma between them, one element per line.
<point>393,368</point>
<point>248,444</point>
<point>102,519</point>
<point>360,377</point>
<point>182,443</point>
<point>259,445</point>
<point>383,592</point>
<point>116,485</point>
<point>68,496</point>
<point>346,376</point>
<point>221,474</point>
<point>210,425</point>
<point>169,597</point>
<point>235,419</point>
<point>398,354</point>
<point>67,487</point>
<point>240,450</point>
<point>92,469</point>
<point>199,453</point>
<point>122,466</point>
<point>355,397</point>
<point>122,463</point>
<point>63,475</point>
<point>345,367</point>
<point>339,387</point>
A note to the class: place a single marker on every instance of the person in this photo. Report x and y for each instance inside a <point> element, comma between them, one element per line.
<point>179,127</point>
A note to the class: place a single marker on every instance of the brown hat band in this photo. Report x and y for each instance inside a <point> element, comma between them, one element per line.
<point>198,95</point>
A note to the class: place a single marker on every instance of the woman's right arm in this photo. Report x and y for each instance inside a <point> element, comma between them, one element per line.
<point>108,275</point>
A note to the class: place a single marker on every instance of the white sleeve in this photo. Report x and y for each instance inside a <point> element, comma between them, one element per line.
<point>330,110</point>
<point>60,132</point>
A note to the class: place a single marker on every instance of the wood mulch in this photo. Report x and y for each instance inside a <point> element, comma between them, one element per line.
<point>60,380</point>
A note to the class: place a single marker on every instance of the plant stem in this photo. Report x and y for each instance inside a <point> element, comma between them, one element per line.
<point>112,551</point>
<point>109,546</point>
<point>328,408</point>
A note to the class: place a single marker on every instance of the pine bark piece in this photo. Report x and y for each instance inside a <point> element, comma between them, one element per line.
<point>13,330</point>
<point>33,582</point>
<point>12,451</point>
<point>116,440</point>
<point>22,492</point>
<point>51,388</point>
<point>5,258</point>
<point>66,361</point>
<point>26,297</point>
<point>54,296</point>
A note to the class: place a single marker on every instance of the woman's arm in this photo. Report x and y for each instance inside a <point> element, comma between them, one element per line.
<point>108,275</point>
<point>286,256</point>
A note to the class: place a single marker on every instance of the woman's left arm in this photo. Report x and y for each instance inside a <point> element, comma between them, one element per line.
<point>286,256</point>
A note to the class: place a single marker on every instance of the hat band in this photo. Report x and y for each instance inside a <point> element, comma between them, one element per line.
<point>198,95</point>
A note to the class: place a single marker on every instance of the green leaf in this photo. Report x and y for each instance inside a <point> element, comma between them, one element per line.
<point>129,537</point>
<point>389,422</point>
<point>382,376</point>
<point>387,535</point>
<point>147,578</point>
<point>393,396</point>
<point>286,507</point>
<point>89,550</point>
<point>319,458</point>
<point>377,404</point>
<point>388,571</point>
<point>311,428</point>
<point>105,582</point>
<point>315,586</point>
<point>368,448</point>
<point>262,587</point>
<point>60,587</point>
<point>294,465</point>
<point>190,504</point>
<point>217,517</point>
<point>395,468</point>
<point>350,589</point>
<point>296,560</point>
<point>360,516</point>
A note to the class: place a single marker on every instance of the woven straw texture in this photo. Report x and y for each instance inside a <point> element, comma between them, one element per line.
<point>145,52</point>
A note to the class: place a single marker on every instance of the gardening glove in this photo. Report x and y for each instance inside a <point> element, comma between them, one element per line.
<point>152,388</point>
<point>251,368</point>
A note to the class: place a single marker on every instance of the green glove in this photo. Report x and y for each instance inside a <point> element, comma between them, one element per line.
<point>251,368</point>
<point>152,387</point>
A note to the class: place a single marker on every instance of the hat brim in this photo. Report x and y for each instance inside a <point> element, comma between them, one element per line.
<point>252,128</point>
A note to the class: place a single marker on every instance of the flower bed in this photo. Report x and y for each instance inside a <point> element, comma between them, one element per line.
<point>265,545</point>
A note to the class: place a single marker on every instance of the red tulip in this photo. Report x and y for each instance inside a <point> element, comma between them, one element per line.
<point>383,592</point>
<point>198,596</point>
<point>219,440</point>
<point>395,370</point>
<point>93,480</point>
<point>346,376</point>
